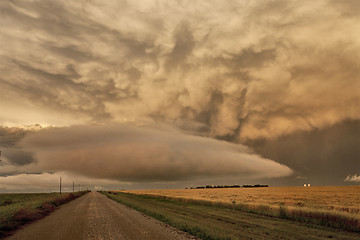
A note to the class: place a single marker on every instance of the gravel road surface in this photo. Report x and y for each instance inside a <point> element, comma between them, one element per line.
<point>94,216</point>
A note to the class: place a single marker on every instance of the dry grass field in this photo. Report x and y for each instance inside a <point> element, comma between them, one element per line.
<point>338,207</point>
<point>214,220</point>
<point>338,199</point>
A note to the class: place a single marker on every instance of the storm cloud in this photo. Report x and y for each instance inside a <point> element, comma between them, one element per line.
<point>323,156</point>
<point>129,153</point>
<point>226,74</point>
<point>11,151</point>
<point>241,69</point>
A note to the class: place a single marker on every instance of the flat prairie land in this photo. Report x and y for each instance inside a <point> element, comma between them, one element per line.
<point>336,207</point>
<point>344,199</point>
<point>225,221</point>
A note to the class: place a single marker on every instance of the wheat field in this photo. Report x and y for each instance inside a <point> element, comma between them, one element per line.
<point>343,199</point>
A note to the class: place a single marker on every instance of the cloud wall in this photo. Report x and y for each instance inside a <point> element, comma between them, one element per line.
<point>128,153</point>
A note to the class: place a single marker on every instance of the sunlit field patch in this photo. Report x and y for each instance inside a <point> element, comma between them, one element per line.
<point>340,199</point>
<point>332,206</point>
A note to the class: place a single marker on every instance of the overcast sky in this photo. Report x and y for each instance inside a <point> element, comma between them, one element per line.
<point>163,94</point>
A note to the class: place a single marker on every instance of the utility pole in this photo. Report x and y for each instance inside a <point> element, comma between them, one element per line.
<point>60,185</point>
<point>73,187</point>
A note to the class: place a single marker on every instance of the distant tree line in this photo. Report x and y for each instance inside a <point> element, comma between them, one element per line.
<point>229,186</point>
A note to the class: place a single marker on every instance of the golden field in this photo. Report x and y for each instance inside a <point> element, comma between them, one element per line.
<point>213,219</point>
<point>343,200</point>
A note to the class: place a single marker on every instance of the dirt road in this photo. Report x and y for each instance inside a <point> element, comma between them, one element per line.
<point>94,216</point>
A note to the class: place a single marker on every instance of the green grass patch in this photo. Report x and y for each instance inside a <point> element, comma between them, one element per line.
<point>21,208</point>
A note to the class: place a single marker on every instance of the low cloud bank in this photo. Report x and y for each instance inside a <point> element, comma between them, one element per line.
<point>130,153</point>
<point>50,182</point>
<point>354,178</point>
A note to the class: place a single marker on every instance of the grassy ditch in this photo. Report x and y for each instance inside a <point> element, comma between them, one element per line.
<point>210,220</point>
<point>22,208</point>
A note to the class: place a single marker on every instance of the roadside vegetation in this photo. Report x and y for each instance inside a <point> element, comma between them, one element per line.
<point>20,208</point>
<point>218,220</point>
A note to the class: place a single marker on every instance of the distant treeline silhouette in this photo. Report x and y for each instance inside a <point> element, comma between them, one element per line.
<point>229,186</point>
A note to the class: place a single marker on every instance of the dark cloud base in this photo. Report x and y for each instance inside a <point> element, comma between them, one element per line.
<point>144,154</point>
<point>11,151</point>
<point>322,156</point>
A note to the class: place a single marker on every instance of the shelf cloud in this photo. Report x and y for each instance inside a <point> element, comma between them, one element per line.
<point>128,153</point>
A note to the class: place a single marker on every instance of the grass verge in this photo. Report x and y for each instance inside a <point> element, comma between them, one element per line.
<point>19,209</point>
<point>210,220</point>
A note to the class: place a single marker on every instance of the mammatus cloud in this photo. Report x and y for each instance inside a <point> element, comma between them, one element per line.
<point>128,153</point>
<point>354,178</point>
<point>233,70</point>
